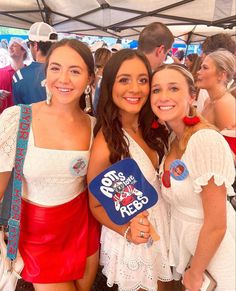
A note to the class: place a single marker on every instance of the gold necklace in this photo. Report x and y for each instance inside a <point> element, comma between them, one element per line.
<point>213,101</point>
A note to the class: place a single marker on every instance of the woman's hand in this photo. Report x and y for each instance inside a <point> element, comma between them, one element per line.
<point>139,229</point>
<point>192,281</point>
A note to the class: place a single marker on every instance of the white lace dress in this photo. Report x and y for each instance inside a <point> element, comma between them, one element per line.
<point>207,155</point>
<point>138,266</point>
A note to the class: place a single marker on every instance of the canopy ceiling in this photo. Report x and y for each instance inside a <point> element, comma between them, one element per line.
<point>189,20</point>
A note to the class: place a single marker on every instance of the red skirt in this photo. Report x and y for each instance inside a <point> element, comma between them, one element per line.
<point>56,241</point>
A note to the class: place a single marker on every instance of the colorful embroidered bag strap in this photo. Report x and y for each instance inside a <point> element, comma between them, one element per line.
<point>21,148</point>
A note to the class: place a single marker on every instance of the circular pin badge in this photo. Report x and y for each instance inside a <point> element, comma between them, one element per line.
<point>78,167</point>
<point>178,170</point>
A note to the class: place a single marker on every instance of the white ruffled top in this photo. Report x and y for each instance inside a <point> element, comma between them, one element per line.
<point>207,155</point>
<point>51,177</point>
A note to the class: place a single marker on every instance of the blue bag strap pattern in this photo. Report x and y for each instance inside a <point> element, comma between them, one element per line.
<point>21,148</point>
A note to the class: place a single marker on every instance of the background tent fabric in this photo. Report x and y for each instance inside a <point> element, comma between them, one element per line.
<point>189,20</point>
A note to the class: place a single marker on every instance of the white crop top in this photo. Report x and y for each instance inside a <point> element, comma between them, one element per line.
<point>51,177</point>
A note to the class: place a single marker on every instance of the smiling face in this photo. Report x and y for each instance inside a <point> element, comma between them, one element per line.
<point>208,76</point>
<point>170,96</point>
<point>67,75</point>
<point>131,87</point>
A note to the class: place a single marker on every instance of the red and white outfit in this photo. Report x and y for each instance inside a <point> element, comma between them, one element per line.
<point>57,231</point>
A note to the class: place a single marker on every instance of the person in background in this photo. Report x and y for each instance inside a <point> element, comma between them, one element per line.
<point>101,57</point>
<point>59,238</point>
<point>202,226</point>
<point>193,64</point>
<point>116,47</point>
<point>217,70</point>
<point>27,82</point>
<point>179,56</point>
<point>124,129</point>
<point>213,43</point>
<point>18,53</point>
<point>155,41</point>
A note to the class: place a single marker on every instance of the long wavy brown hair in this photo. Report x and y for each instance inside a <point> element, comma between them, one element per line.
<point>108,114</point>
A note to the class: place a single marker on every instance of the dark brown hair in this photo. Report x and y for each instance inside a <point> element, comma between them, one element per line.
<point>108,113</point>
<point>85,53</point>
<point>220,40</point>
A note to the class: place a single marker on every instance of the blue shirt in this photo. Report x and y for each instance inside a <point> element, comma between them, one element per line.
<point>26,84</point>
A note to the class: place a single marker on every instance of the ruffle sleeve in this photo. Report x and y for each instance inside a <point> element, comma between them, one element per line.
<point>9,120</point>
<point>209,156</point>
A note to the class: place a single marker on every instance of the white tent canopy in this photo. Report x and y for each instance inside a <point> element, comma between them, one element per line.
<point>189,20</point>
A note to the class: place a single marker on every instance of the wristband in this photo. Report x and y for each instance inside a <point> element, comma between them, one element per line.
<point>126,232</point>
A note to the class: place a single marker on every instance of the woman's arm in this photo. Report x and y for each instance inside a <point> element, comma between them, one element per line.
<point>211,234</point>
<point>99,161</point>
<point>4,179</point>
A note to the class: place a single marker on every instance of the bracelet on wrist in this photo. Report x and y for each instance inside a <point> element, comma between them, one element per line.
<point>126,233</point>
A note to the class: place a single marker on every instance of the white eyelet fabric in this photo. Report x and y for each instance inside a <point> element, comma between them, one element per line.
<point>138,266</point>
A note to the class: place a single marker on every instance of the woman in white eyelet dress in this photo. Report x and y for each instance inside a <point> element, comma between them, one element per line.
<point>134,266</point>
<point>127,256</point>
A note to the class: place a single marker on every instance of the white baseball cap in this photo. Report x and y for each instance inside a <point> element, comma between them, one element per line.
<point>41,31</point>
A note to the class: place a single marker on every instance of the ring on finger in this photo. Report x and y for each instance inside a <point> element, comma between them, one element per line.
<point>141,234</point>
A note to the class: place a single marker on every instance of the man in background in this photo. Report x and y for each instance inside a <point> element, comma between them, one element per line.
<point>27,87</point>
<point>18,53</point>
<point>155,41</point>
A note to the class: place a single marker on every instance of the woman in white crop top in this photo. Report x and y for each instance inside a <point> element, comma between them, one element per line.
<point>59,238</point>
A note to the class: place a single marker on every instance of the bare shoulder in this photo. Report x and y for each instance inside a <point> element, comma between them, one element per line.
<point>99,158</point>
<point>100,144</point>
<point>225,114</point>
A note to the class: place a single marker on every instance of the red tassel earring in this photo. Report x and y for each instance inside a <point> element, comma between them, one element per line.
<point>155,124</point>
<point>191,120</point>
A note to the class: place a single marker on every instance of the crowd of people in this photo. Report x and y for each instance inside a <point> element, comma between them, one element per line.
<point>177,121</point>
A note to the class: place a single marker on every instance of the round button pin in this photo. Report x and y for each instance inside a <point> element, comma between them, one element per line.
<point>178,170</point>
<point>78,167</point>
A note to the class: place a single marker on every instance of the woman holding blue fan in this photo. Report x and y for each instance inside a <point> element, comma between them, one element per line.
<point>133,255</point>
<point>197,176</point>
